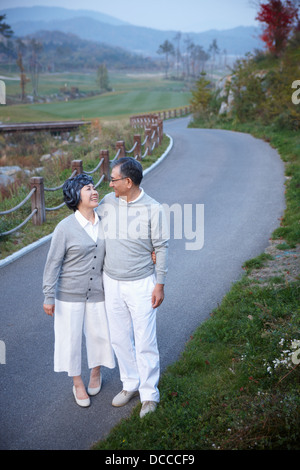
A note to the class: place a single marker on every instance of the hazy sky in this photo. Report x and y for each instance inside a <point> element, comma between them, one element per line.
<point>179,15</point>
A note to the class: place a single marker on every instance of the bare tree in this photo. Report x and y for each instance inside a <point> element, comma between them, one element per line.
<point>34,65</point>
<point>166,48</point>
<point>200,57</point>
<point>189,47</point>
<point>214,50</point>
<point>23,78</point>
<point>177,38</point>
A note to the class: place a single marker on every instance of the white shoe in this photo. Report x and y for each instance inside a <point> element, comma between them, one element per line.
<point>83,402</point>
<point>94,391</point>
<point>147,407</point>
<point>124,397</point>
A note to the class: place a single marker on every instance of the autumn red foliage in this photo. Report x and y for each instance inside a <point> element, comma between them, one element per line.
<point>280,18</point>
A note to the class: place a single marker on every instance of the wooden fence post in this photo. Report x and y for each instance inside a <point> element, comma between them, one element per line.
<point>155,135</point>
<point>38,200</point>
<point>160,130</point>
<point>120,145</point>
<point>137,151</point>
<point>77,165</point>
<point>105,169</point>
<point>148,133</point>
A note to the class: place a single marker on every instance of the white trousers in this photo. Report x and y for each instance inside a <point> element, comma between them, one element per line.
<point>71,320</point>
<point>132,324</point>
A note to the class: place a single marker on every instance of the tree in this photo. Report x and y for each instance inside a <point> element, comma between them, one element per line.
<point>214,50</point>
<point>178,53</point>
<point>102,78</point>
<point>5,29</point>
<point>280,18</point>
<point>199,57</point>
<point>34,65</point>
<point>23,78</point>
<point>201,96</point>
<point>166,48</point>
<point>187,56</point>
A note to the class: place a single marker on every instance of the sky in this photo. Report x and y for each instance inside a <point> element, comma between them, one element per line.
<point>177,15</point>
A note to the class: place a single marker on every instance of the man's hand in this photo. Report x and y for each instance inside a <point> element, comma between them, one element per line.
<point>158,295</point>
<point>49,309</point>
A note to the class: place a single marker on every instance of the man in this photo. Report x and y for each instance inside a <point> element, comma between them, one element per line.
<point>134,225</point>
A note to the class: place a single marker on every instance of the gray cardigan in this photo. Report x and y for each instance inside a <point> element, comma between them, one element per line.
<point>132,231</point>
<point>73,270</point>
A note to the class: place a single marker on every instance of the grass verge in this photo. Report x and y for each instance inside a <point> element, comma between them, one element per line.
<point>235,386</point>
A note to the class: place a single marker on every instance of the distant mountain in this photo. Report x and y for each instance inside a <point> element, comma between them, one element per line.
<point>102,28</point>
<point>38,13</point>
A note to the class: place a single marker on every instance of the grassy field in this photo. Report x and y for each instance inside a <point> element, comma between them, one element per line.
<point>132,94</point>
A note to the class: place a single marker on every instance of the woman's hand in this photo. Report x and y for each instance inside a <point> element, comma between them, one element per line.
<point>49,309</point>
<point>153,256</point>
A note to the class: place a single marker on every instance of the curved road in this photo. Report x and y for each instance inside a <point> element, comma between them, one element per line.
<point>240,182</point>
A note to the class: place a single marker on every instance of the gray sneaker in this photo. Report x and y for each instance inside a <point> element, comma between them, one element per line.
<point>147,407</point>
<point>124,397</point>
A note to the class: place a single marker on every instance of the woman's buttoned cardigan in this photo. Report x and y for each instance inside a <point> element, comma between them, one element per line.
<point>73,270</point>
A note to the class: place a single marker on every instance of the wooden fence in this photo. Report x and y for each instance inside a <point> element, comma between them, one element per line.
<point>153,133</point>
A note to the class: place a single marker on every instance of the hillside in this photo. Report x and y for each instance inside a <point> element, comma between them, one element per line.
<point>97,27</point>
<point>66,51</point>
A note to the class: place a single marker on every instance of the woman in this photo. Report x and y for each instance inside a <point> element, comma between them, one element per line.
<point>73,289</point>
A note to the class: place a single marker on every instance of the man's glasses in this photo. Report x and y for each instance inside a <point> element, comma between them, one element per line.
<point>112,180</point>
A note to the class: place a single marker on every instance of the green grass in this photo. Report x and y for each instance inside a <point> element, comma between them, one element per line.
<point>133,94</point>
<point>111,104</point>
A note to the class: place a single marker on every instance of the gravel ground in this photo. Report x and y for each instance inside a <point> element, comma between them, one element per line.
<point>285,264</point>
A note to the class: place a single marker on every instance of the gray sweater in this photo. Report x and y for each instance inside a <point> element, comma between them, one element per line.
<point>73,270</point>
<point>132,230</point>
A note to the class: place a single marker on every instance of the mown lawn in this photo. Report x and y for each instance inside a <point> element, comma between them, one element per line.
<point>132,94</point>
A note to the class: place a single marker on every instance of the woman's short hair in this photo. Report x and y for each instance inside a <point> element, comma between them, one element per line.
<point>130,168</point>
<point>72,188</point>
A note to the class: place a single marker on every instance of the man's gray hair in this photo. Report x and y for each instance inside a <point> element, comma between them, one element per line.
<point>130,168</point>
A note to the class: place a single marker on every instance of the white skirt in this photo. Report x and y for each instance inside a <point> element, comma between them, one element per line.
<point>71,320</point>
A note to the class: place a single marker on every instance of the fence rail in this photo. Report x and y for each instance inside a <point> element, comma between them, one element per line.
<point>152,125</point>
<point>55,126</point>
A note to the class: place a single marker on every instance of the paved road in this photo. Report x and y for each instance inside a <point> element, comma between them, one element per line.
<point>240,181</point>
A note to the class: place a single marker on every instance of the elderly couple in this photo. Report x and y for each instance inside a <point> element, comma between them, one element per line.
<point>100,279</point>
